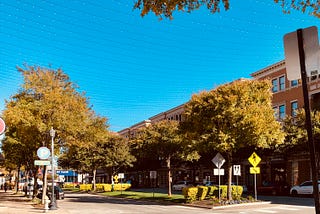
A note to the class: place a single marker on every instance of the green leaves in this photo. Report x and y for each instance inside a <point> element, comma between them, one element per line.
<point>233,116</point>
<point>167,7</point>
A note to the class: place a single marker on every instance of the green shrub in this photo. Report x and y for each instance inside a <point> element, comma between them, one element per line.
<point>236,191</point>
<point>202,192</point>
<point>86,187</point>
<point>68,186</point>
<point>119,187</point>
<point>190,193</point>
<point>211,190</point>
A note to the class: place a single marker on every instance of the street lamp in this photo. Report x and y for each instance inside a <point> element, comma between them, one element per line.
<point>53,205</point>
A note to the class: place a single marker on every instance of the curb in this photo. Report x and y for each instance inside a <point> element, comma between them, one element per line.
<point>240,205</point>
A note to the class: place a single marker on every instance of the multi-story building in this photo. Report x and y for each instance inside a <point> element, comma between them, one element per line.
<point>287,98</point>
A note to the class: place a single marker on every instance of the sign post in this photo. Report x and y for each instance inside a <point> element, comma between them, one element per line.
<point>121,176</point>
<point>218,160</point>
<point>237,173</point>
<point>254,159</point>
<point>305,55</point>
<point>153,177</point>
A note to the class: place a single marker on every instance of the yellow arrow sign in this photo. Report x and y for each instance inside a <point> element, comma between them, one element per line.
<point>254,170</point>
<point>254,159</point>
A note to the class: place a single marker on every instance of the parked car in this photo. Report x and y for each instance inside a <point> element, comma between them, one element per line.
<point>59,193</point>
<point>305,188</point>
<point>181,184</point>
<point>269,188</point>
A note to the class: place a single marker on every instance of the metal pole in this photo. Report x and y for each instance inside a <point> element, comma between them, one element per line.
<point>219,180</point>
<point>308,123</point>
<point>255,186</point>
<point>53,205</point>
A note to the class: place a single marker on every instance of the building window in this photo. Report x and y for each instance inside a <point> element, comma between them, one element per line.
<point>279,84</point>
<point>276,112</point>
<point>294,108</point>
<point>275,85</point>
<point>282,111</point>
<point>282,83</point>
<point>294,83</point>
<point>313,75</point>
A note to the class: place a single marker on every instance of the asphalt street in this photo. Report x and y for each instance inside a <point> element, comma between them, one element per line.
<point>83,203</point>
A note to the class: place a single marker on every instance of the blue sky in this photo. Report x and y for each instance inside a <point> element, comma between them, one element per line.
<point>132,68</point>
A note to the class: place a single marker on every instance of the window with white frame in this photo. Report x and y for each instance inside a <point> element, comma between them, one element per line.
<point>282,83</point>
<point>282,111</point>
<point>294,83</point>
<point>275,86</point>
<point>279,112</point>
<point>294,108</point>
<point>278,84</point>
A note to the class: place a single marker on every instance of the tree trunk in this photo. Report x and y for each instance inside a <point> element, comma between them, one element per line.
<point>229,167</point>
<point>18,181</point>
<point>169,176</point>
<point>94,179</point>
<point>44,185</point>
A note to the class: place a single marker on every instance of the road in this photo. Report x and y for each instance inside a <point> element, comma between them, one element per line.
<point>83,203</point>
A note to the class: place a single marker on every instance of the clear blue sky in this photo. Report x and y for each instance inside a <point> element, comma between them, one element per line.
<point>131,67</point>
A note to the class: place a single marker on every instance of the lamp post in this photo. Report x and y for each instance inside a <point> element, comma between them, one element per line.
<point>53,205</point>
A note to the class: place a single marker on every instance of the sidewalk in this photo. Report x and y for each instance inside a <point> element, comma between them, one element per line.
<point>11,203</point>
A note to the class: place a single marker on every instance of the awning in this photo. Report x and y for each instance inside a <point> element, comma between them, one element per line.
<point>67,172</point>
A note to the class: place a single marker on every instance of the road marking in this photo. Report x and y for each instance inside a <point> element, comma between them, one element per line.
<point>287,208</point>
<point>265,211</point>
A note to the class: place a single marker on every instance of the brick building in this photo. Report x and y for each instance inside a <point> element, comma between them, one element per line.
<point>287,97</point>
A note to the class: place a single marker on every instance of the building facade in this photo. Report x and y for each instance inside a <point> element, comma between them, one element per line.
<point>287,98</point>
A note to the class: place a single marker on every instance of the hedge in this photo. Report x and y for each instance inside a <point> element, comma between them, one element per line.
<point>202,192</point>
<point>105,187</point>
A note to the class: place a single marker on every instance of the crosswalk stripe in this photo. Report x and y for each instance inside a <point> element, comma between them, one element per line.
<point>265,211</point>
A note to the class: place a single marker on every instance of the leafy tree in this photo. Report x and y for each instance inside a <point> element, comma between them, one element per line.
<point>296,133</point>
<point>231,117</point>
<point>105,150</point>
<point>46,99</point>
<point>167,7</point>
<point>163,142</point>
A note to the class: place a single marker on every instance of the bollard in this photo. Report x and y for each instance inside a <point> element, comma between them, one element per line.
<point>46,203</point>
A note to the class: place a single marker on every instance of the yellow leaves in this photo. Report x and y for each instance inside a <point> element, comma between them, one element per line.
<point>234,115</point>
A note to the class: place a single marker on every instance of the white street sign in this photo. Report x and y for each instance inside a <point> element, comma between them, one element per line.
<point>236,170</point>
<point>311,50</point>
<point>218,171</point>
<point>218,160</point>
<point>43,152</point>
<point>121,175</point>
<point>153,174</point>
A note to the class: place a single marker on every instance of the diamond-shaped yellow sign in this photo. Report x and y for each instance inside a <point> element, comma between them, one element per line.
<point>254,159</point>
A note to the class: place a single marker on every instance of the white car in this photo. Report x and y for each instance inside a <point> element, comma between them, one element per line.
<point>305,188</point>
<point>181,184</point>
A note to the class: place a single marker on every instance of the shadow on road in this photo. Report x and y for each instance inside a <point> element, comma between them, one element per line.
<point>299,201</point>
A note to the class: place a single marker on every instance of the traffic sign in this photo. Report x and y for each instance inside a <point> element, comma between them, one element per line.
<point>120,175</point>
<point>153,174</point>
<point>254,170</point>
<point>43,152</point>
<point>41,162</point>
<point>2,126</point>
<point>311,52</point>
<point>218,160</point>
<point>254,159</point>
<point>236,170</point>
<point>218,171</point>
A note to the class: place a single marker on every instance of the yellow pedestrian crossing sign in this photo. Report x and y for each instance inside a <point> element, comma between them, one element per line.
<point>254,159</point>
<point>254,170</point>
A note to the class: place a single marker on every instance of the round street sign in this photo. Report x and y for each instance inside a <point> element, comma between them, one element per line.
<point>43,153</point>
<point>2,126</point>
